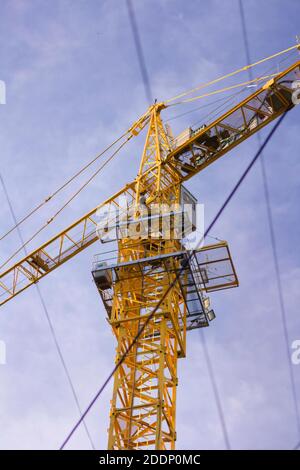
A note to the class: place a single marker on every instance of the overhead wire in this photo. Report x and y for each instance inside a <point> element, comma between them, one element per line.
<point>297,447</point>
<point>273,237</point>
<point>139,51</point>
<point>48,318</point>
<point>49,221</point>
<point>172,284</point>
<point>215,390</point>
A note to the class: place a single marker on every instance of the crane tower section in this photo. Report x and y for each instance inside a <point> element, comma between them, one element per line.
<point>133,281</point>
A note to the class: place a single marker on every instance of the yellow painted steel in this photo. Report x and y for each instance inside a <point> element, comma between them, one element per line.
<point>215,139</point>
<point>144,396</point>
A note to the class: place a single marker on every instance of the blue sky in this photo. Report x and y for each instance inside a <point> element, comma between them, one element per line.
<point>73,85</point>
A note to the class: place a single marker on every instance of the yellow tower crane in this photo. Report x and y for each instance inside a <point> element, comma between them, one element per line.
<point>135,278</point>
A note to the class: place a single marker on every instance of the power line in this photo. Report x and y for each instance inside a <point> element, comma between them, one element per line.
<point>272,236</point>
<point>139,51</point>
<point>216,391</point>
<point>179,273</point>
<point>47,315</point>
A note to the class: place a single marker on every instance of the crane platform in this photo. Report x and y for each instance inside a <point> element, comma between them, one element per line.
<point>197,272</point>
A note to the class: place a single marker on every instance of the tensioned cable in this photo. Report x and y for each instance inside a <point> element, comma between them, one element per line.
<point>180,271</point>
<point>273,239</point>
<point>216,111</point>
<point>139,51</point>
<point>63,186</point>
<point>228,88</point>
<point>68,202</point>
<point>228,99</point>
<point>242,69</point>
<point>223,101</point>
<point>177,116</point>
<point>47,315</point>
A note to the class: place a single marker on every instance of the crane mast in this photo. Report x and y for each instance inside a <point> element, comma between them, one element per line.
<point>144,394</point>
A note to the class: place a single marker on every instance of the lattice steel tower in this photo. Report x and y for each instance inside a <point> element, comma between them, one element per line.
<point>143,407</point>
